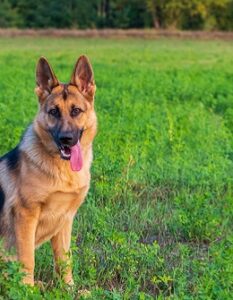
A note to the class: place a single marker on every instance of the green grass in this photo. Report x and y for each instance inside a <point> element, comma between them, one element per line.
<point>158,220</point>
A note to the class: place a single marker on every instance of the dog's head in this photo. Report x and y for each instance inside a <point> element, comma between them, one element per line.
<point>66,112</point>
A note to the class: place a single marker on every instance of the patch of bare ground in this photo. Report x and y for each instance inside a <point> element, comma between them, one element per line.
<point>117,33</point>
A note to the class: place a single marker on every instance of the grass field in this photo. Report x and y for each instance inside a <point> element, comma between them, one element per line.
<point>158,220</point>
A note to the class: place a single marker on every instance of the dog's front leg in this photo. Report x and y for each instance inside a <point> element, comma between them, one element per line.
<point>25,228</point>
<point>61,251</point>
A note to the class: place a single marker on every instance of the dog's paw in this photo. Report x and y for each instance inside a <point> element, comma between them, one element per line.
<point>83,293</point>
<point>69,280</point>
<point>28,280</point>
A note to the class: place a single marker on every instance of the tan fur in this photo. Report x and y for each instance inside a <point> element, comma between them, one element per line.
<point>42,194</point>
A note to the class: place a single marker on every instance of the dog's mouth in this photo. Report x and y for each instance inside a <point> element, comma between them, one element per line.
<point>73,154</point>
<point>65,152</point>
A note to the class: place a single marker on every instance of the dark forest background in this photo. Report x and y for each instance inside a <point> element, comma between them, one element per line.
<point>171,14</point>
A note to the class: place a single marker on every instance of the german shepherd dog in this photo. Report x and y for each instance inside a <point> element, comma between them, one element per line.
<point>45,179</point>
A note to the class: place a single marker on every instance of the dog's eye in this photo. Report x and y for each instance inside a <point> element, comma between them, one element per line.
<point>54,112</point>
<point>75,112</point>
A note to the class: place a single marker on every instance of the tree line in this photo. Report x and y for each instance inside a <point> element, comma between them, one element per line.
<point>177,14</point>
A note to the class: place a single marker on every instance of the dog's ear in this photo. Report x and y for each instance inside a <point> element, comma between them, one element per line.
<point>45,78</point>
<point>83,77</point>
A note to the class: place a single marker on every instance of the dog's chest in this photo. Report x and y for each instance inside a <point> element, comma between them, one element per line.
<point>58,208</point>
<point>59,199</point>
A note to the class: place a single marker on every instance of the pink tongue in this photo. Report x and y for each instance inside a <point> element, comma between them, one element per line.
<point>76,160</point>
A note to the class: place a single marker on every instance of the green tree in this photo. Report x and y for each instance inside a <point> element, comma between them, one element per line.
<point>198,14</point>
<point>219,15</point>
<point>155,9</point>
<point>180,14</point>
<point>43,13</point>
<point>85,13</point>
<point>121,14</point>
<point>9,16</point>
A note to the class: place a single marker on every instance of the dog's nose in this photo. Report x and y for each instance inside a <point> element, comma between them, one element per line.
<point>65,138</point>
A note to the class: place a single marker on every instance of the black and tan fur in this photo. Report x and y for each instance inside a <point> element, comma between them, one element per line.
<point>39,193</point>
